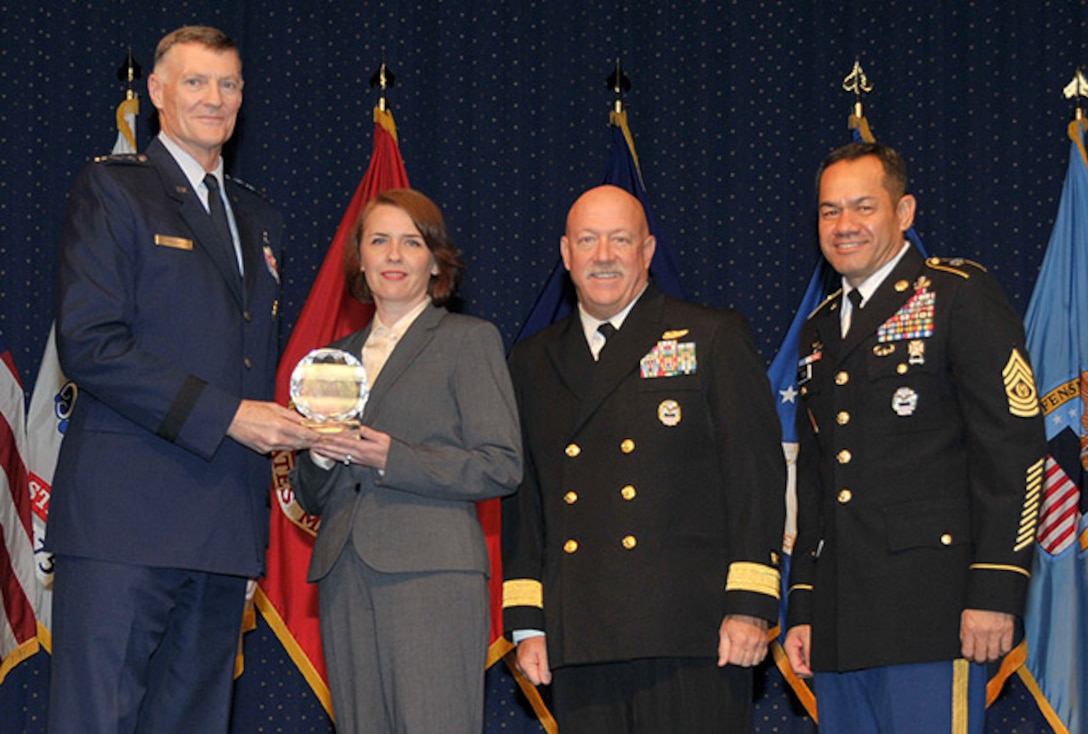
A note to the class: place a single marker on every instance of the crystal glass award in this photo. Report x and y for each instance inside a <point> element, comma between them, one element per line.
<point>329,387</point>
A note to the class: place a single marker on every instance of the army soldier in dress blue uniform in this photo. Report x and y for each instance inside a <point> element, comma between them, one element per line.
<point>640,553</point>
<point>919,473</point>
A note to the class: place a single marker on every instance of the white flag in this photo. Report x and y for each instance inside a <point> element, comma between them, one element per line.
<point>50,406</point>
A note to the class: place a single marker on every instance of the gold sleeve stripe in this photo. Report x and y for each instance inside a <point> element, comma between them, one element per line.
<point>1020,387</point>
<point>999,567</point>
<point>522,593</point>
<point>745,576</point>
<point>801,587</point>
<point>1035,471</point>
<point>1029,515</point>
<point>1023,540</point>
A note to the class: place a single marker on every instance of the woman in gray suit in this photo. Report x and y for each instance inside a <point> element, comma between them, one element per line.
<point>400,559</point>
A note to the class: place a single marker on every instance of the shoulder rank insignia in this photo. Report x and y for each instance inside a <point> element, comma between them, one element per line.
<point>826,301</point>
<point>249,187</point>
<point>1020,386</point>
<point>956,265</point>
<point>122,158</point>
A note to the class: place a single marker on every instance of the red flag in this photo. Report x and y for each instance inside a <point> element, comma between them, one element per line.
<point>286,601</point>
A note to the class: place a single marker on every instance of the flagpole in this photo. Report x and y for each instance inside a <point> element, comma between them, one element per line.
<point>1078,89</point>
<point>858,83</point>
<point>129,108</point>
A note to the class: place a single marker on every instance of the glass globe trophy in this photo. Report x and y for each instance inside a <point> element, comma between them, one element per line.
<point>329,387</point>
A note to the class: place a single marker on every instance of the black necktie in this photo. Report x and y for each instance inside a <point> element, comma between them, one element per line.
<point>607,330</point>
<point>218,215</point>
<point>854,297</point>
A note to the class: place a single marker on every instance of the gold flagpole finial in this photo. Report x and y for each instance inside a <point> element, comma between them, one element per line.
<point>1077,88</point>
<point>384,80</point>
<point>618,82</point>
<point>128,73</point>
<point>859,84</point>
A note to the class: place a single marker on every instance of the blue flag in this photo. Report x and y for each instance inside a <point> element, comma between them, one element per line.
<point>1056,620</point>
<point>557,298</point>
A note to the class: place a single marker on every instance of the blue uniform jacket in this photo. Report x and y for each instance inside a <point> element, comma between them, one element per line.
<point>164,340</point>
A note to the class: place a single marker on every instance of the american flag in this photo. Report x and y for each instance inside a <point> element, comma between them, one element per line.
<point>18,630</point>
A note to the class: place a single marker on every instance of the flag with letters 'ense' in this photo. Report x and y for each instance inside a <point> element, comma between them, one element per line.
<point>1056,620</point>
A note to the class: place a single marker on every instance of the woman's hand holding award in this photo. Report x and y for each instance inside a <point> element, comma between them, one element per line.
<point>329,387</point>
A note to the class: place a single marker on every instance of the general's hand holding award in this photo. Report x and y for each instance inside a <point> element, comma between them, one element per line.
<point>329,387</point>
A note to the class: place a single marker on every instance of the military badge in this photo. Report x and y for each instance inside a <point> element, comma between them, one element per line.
<point>669,413</point>
<point>270,258</point>
<point>669,358</point>
<point>883,350</point>
<point>916,350</point>
<point>913,321</point>
<point>1020,386</point>
<point>804,366</point>
<point>904,402</point>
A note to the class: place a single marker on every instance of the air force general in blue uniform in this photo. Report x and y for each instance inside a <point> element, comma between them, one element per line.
<point>168,326</point>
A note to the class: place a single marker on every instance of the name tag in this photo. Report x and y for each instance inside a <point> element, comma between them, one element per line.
<point>178,243</point>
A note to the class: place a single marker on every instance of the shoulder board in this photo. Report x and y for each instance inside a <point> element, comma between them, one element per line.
<point>249,187</point>
<point>124,159</point>
<point>826,301</point>
<point>955,265</point>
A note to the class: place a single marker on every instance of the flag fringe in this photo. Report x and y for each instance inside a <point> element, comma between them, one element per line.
<point>619,119</point>
<point>1009,664</point>
<point>800,688</point>
<point>385,119</point>
<point>19,654</point>
<point>294,650</point>
<point>531,693</point>
<point>1045,708</point>
<point>497,651</point>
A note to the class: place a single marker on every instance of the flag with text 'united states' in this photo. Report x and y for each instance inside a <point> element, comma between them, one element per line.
<point>1056,620</point>
<point>18,628</point>
<point>557,298</point>
<point>286,601</point>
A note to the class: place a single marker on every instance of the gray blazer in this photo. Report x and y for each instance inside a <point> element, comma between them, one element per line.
<point>446,399</point>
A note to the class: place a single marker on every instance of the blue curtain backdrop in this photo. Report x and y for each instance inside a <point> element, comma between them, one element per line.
<point>502,112</point>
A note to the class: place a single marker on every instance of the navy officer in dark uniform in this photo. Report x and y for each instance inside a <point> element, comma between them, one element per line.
<point>640,553</point>
<point>167,321</point>
<point>919,474</point>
